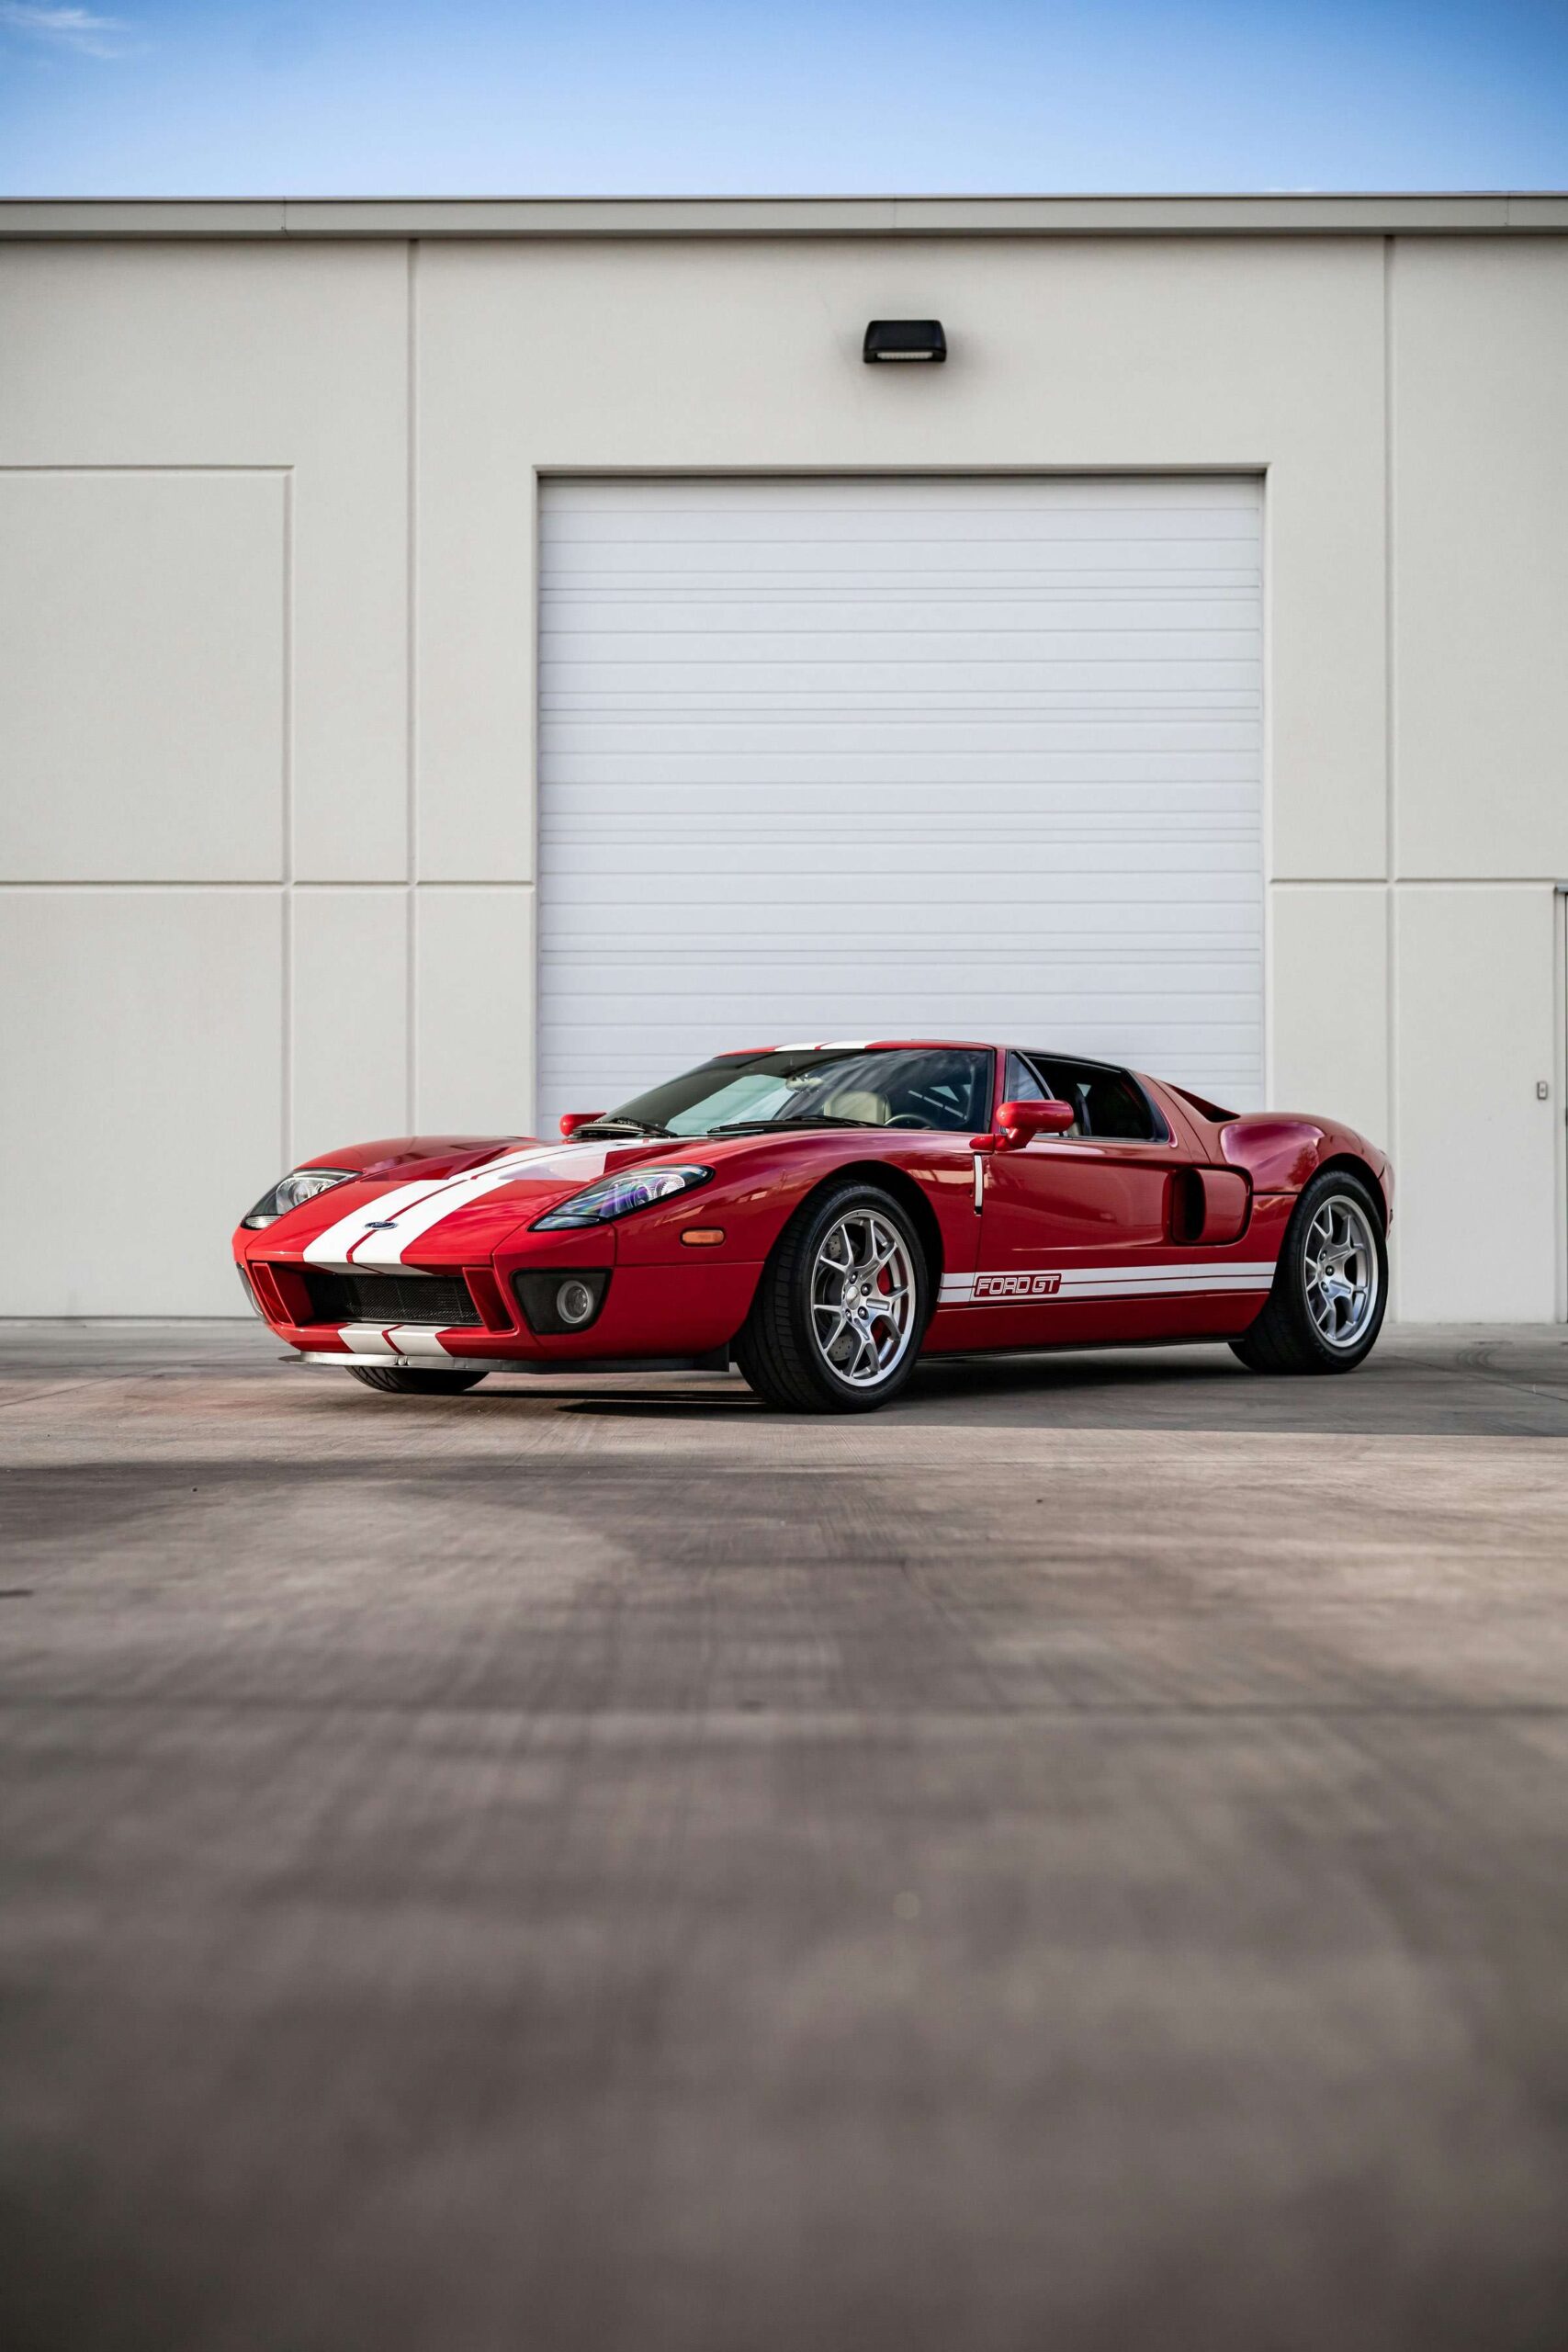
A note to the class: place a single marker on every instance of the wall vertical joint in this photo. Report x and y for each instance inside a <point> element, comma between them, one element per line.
<point>410,943</point>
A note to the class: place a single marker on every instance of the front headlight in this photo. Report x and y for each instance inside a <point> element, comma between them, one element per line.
<point>290,1191</point>
<point>614,1197</point>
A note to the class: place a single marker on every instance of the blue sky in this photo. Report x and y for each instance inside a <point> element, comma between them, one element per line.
<point>152,98</point>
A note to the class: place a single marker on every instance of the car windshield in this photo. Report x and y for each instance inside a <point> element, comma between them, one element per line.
<point>946,1087</point>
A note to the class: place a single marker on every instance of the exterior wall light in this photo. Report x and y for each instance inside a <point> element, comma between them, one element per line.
<point>904,339</point>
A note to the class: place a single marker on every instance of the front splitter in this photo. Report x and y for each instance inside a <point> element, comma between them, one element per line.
<point>531,1368</point>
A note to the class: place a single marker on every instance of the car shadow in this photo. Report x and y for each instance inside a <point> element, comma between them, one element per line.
<point>1454,1381</point>
<point>1410,1391</point>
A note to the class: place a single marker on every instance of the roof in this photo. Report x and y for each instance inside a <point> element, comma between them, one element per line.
<point>1499,212</point>
<point>862,1046</point>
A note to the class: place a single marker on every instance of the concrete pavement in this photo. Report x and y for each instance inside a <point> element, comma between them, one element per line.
<point>1079,1860</point>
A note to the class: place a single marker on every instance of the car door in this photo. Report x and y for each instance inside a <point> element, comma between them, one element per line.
<point>1076,1229</point>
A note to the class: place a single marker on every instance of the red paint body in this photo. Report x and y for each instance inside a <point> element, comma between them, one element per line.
<point>1076,1241</point>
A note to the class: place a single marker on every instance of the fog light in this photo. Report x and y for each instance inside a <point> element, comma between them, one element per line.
<point>560,1298</point>
<point>574,1303</point>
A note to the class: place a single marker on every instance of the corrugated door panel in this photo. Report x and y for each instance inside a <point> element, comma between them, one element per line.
<point>849,758</point>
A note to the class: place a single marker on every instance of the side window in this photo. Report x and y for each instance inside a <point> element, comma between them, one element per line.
<point>1108,1101</point>
<point>1066,1081</point>
<point>1020,1083</point>
<point>1115,1106</point>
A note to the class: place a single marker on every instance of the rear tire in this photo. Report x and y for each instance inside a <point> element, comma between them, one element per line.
<point>840,1307</point>
<point>400,1380</point>
<point>1330,1290</point>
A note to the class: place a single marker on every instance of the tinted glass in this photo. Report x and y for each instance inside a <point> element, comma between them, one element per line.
<point>1108,1101</point>
<point>1020,1084</point>
<point>945,1087</point>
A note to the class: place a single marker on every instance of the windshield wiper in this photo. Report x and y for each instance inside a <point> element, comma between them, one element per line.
<point>614,1126</point>
<point>800,1119</point>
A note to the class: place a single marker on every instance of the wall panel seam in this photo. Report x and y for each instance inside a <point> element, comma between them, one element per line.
<point>1390,747</point>
<point>1391,720</point>
<point>151,467</point>
<point>285,1053</point>
<point>1266,814</point>
<point>410,941</point>
<point>303,886</point>
<point>1560,1083</point>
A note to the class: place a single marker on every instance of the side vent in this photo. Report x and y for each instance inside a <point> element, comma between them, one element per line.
<point>1186,1217</point>
<point>1209,1204</point>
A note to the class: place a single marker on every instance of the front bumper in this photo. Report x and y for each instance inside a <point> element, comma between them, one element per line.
<point>657,1313</point>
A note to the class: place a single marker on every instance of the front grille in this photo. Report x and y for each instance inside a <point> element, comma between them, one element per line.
<point>441,1300</point>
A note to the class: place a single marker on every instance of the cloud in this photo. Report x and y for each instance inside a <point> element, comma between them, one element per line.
<point>76,28</point>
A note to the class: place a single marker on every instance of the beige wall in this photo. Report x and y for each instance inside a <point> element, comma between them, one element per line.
<point>266,591</point>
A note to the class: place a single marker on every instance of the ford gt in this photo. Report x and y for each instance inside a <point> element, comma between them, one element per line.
<point>821,1215</point>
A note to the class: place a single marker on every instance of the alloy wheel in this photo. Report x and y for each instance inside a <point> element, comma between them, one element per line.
<point>862,1298</point>
<point>1339,1270</point>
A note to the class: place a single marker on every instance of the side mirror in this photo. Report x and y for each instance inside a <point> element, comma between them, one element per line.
<point>572,1120</point>
<point>1020,1122</point>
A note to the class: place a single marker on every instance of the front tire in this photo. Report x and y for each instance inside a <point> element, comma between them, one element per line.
<point>400,1380</point>
<point>840,1307</point>
<point>1330,1290</point>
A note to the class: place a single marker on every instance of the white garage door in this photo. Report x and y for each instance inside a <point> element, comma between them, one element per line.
<point>869,757</point>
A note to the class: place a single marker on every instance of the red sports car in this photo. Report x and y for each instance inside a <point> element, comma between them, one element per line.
<point>820,1215</point>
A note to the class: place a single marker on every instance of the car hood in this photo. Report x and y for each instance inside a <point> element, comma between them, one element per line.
<point>386,1216</point>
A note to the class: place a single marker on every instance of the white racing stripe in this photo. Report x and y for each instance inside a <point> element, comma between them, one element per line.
<point>332,1245</point>
<point>418,1340</point>
<point>366,1340</point>
<point>389,1248</point>
<point>1019,1286</point>
<point>821,1045</point>
<point>363,1339</point>
<point>379,1233</point>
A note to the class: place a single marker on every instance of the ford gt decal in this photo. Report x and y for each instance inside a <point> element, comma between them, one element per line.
<point>998,1289</point>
